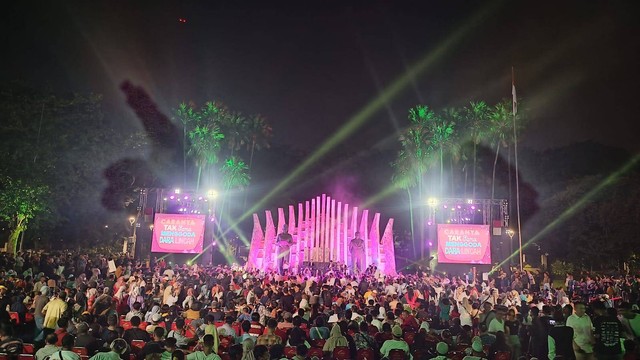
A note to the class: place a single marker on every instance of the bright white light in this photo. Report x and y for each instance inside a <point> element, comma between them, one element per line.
<point>212,194</point>
<point>432,202</point>
<point>177,191</point>
<point>469,201</point>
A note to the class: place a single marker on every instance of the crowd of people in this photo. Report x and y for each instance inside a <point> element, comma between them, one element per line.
<point>71,307</point>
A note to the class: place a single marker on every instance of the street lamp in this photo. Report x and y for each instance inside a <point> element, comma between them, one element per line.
<point>510,232</point>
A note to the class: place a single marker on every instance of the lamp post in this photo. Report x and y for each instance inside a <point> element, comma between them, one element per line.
<point>510,232</point>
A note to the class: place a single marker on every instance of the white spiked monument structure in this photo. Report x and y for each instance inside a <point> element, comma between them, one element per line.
<point>321,229</point>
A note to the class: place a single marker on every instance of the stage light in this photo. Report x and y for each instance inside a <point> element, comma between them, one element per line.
<point>186,198</point>
<point>177,191</point>
<point>165,199</point>
<point>432,202</point>
<point>151,227</point>
<point>132,220</point>
<point>106,226</point>
<point>430,243</point>
<point>172,197</point>
<point>473,208</point>
<point>212,194</point>
<point>200,198</point>
<point>213,243</point>
<point>459,207</point>
<point>469,201</point>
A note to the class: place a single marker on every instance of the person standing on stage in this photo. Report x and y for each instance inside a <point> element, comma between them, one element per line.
<point>356,248</point>
<point>284,243</point>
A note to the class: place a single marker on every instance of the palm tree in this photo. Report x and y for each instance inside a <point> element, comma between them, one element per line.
<point>258,134</point>
<point>449,143</point>
<point>235,175</point>
<point>501,131</point>
<point>234,126</point>
<point>405,176</point>
<point>476,117</point>
<point>442,130</point>
<point>206,137</point>
<point>415,157</point>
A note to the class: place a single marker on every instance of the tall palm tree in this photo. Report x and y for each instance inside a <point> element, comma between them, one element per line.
<point>442,129</point>
<point>235,175</point>
<point>406,176</point>
<point>234,126</point>
<point>206,137</point>
<point>476,117</point>
<point>501,132</point>
<point>415,157</point>
<point>258,135</point>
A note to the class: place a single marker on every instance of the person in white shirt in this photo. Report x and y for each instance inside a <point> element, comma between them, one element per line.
<point>497,324</point>
<point>583,339</point>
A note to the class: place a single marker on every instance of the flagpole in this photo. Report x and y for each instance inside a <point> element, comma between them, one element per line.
<point>515,150</point>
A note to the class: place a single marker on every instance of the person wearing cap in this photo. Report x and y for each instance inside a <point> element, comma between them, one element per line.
<point>396,343</point>
<point>441,349</point>
<point>476,351</point>
<point>117,348</point>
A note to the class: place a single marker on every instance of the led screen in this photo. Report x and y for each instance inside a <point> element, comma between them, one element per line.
<point>464,244</point>
<point>176,233</point>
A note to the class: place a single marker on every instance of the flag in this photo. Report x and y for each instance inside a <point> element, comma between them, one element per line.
<point>513,92</point>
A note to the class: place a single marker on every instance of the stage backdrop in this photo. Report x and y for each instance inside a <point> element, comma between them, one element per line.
<point>464,244</point>
<point>177,233</point>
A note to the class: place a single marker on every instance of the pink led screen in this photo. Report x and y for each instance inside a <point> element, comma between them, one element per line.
<point>174,233</point>
<point>464,244</point>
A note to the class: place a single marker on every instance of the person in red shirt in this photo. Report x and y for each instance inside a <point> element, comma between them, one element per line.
<point>61,331</point>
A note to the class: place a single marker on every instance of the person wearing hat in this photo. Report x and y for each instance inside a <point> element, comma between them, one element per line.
<point>117,348</point>
<point>396,343</point>
<point>476,351</point>
<point>335,339</point>
<point>441,349</point>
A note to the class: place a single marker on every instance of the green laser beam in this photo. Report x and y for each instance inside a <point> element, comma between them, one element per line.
<point>582,202</point>
<point>374,106</point>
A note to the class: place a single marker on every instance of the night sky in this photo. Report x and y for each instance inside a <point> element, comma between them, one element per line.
<point>308,66</point>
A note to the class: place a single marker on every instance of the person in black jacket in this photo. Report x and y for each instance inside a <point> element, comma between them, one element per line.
<point>560,338</point>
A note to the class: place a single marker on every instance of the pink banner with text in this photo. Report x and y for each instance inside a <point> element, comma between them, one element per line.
<point>464,244</point>
<point>176,233</point>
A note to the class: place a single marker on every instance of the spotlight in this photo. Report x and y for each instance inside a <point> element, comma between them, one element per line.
<point>212,194</point>
<point>432,202</point>
<point>172,197</point>
<point>186,198</point>
<point>177,191</point>
<point>430,243</point>
<point>469,201</point>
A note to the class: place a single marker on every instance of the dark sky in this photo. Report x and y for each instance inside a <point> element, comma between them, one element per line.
<point>308,66</point>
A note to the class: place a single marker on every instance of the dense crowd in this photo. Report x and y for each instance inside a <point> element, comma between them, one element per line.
<point>72,307</point>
